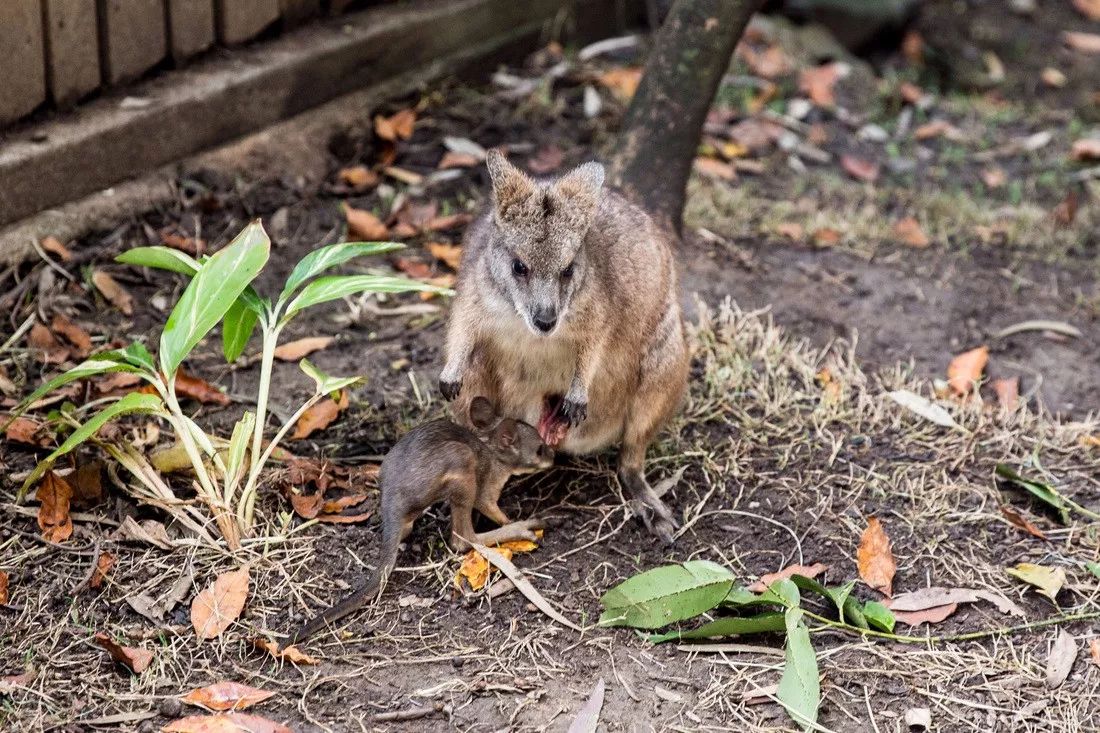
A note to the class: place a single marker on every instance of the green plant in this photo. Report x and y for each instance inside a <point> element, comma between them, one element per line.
<point>220,291</point>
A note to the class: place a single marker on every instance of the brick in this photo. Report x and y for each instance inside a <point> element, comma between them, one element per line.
<point>190,27</point>
<point>72,49</point>
<point>23,85</point>
<point>243,20</point>
<point>131,38</point>
<point>296,12</point>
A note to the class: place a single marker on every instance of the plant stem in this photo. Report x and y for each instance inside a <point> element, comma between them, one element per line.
<point>969,636</point>
<point>271,337</point>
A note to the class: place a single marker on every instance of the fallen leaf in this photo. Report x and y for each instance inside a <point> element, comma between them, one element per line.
<point>452,159</point>
<point>1019,520</point>
<point>1048,580</point>
<point>1088,43</point>
<point>447,223</point>
<point>116,381</point>
<point>414,268</point>
<point>923,407</point>
<point>147,530</point>
<point>826,237</point>
<point>292,654</point>
<point>1094,651</point>
<point>113,292</point>
<point>1063,653</point>
<point>1089,441</point>
<point>219,605</point>
<point>858,168</point>
<point>26,430</point>
<point>1007,390</point>
<point>755,134</point>
<point>806,571</point>
<point>547,160</point>
<point>1053,77</point>
<point>405,176</point>
<point>931,615</point>
<point>4,593</point>
<point>818,82</point>
<point>296,350</point>
<point>713,168</point>
<point>1085,149</point>
<point>103,565</point>
<point>965,370</point>
<point>54,246</point>
<point>344,518</point>
<point>448,253</point>
<point>1066,211</point>
<point>225,723</point>
<point>190,245</point>
<point>398,126</point>
<point>137,660</point>
<point>1088,8</point>
<point>874,558</point>
<point>54,494</point>
<point>358,177</point>
<point>912,47</point>
<point>908,231</point>
<point>475,569</point>
<point>588,717</point>
<point>320,416</point>
<point>1059,327</point>
<point>72,333</point>
<point>790,229</point>
<point>365,225</point>
<point>622,81</point>
<point>50,350</point>
<point>910,93</point>
<point>936,128</point>
<point>335,506</point>
<point>930,597</point>
<point>994,177</point>
<point>198,389</point>
<point>223,696</point>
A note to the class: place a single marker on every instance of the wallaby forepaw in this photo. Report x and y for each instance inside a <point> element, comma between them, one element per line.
<point>450,389</point>
<point>574,412</point>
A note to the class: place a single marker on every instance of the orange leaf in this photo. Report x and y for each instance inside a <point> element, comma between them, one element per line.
<point>808,571</point>
<point>398,126</point>
<point>295,350</point>
<point>1019,520</point>
<point>54,245</point>
<point>72,333</point>
<point>449,253</point>
<point>874,558</point>
<point>863,170</point>
<point>712,168</point>
<point>113,292</point>
<point>965,370</point>
<point>1088,43</point>
<point>926,616</point>
<point>26,430</point>
<point>937,128</point>
<point>447,223</point>
<point>826,237</point>
<point>908,231</point>
<point>103,565</point>
<point>515,546</point>
<point>225,723</point>
<point>344,518</point>
<point>1065,212</point>
<point>452,159</point>
<point>1008,392</point>
<point>912,48</point>
<point>42,340</point>
<point>1088,8</point>
<point>414,268</point>
<point>1094,651</point>
<point>54,494</point>
<point>320,416</point>
<point>818,82</point>
<point>219,605</point>
<point>4,594</point>
<point>475,569</point>
<point>790,229</point>
<point>190,245</point>
<point>226,696</point>
<point>910,92</point>
<point>137,660</point>
<point>622,81</point>
<point>199,390</point>
<point>1053,77</point>
<point>365,225</point>
<point>292,654</point>
<point>1087,148</point>
<point>359,177</point>
<point>334,506</point>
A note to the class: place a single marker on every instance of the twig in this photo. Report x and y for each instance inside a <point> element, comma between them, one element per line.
<point>969,636</point>
<point>524,586</point>
<point>96,552</point>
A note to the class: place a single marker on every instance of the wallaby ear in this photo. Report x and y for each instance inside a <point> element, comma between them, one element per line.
<point>577,193</point>
<point>506,432</point>
<point>511,186</point>
<point>482,413</point>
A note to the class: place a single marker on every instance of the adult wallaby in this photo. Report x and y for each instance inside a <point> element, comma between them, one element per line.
<point>567,317</point>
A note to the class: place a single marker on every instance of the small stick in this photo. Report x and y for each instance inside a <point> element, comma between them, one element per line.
<point>410,714</point>
<point>79,587</point>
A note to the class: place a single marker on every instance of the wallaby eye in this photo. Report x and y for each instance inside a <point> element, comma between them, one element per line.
<point>519,269</point>
<point>567,273</point>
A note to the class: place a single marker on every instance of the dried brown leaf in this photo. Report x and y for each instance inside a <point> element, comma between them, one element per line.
<point>1065,212</point>
<point>994,177</point>
<point>5,595</point>
<point>404,175</point>
<point>875,559</point>
<point>292,654</point>
<point>931,615</point>
<point>398,126</point>
<point>807,571</point>
<point>339,504</point>
<point>1088,8</point>
<point>1094,651</point>
<point>54,494</point>
<point>860,169</point>
<point>113,292</point>
<point>1063,653</point>
<point>359,178</point>
<point>320,416</point>
<point>53,245</point>
<point>219,605</point>
<point>1007,390</point>
<point>103,565</point>
<point>817,83</point>
<point>48,349</point>
<point>135,659</point>
<point>225,723</point>
<point>910,93</point>
<point>965,370</point>
<point>449,253</point>
<point>791,230</point>
<point>198,389</point>
<point>344,518</point>
<point>1087,43</point>
<point>74,334</point>
<point>414,268</point>
<point>547,160</point>
<point>826,237</point>
<point>190,245</point>
<point>936,128</point>
<point>451,159</point>
<point>622,81</point>
<point>1019,520</point>
<point>447,223</point>
<point>908,231</point>
<point>912,48</point>
<point>295,350</point>
<point>27,430</point>
<point>713,168</point>
<point>222,696</point>
<point>365,225</point>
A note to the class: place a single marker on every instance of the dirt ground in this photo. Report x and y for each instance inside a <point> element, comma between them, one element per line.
<point>779,470</point>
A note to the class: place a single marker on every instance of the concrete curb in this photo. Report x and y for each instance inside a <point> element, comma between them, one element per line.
<point>388,49</point>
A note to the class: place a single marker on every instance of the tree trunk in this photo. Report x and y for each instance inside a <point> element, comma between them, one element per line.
<point>653,158</point>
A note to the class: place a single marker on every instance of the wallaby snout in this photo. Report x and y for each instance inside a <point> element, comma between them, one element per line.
<point>545,318</point>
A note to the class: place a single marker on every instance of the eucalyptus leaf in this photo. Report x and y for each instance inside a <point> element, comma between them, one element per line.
<point>1042,491</point>
<point>131,403</point>
<point>211,293</point>
<point>853,611</point>
<point>879,616</point>
<point>727,626</point>
<point>160,258</point>
<point>799,687</point>
<point>325,258</point>
<point>782,592</point>
<point>332,287</point>
<point>836,595</point>
<point>741,596</point>
<point>326,383</point>
<point>665,595</point>
<point>237,327</point>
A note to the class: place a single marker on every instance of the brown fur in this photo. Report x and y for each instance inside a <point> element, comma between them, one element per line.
<point>617,353</point>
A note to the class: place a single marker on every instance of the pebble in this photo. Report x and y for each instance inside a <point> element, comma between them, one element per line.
<point>170,707</point>
<point>873,133</point>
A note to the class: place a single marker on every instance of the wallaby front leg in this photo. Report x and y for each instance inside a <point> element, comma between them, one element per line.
<point>461,336</point>
<point>574,406</point>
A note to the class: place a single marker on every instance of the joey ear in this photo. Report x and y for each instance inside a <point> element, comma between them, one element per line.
<point>511,186</point>
<point>506,433</point>
<point>577,193</point>
<point>482,413</point>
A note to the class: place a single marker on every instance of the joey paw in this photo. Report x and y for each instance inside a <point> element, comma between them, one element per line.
<point>573,412</point>
<point>450,389</point>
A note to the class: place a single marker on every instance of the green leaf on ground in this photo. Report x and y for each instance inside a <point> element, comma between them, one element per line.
<point>782,592</point>
<point>1040,490</point>
<point>879,616</point>
<point>799,687</point>
<point>325,258</point>
<point>665,595</point>
<point>727,626</point>
<point>836,595</point>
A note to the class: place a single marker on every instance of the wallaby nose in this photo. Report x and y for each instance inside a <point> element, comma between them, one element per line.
<point>546,326</point>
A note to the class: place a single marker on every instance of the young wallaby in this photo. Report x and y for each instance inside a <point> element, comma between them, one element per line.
<point>568,317</point>
<point>441,460</point>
